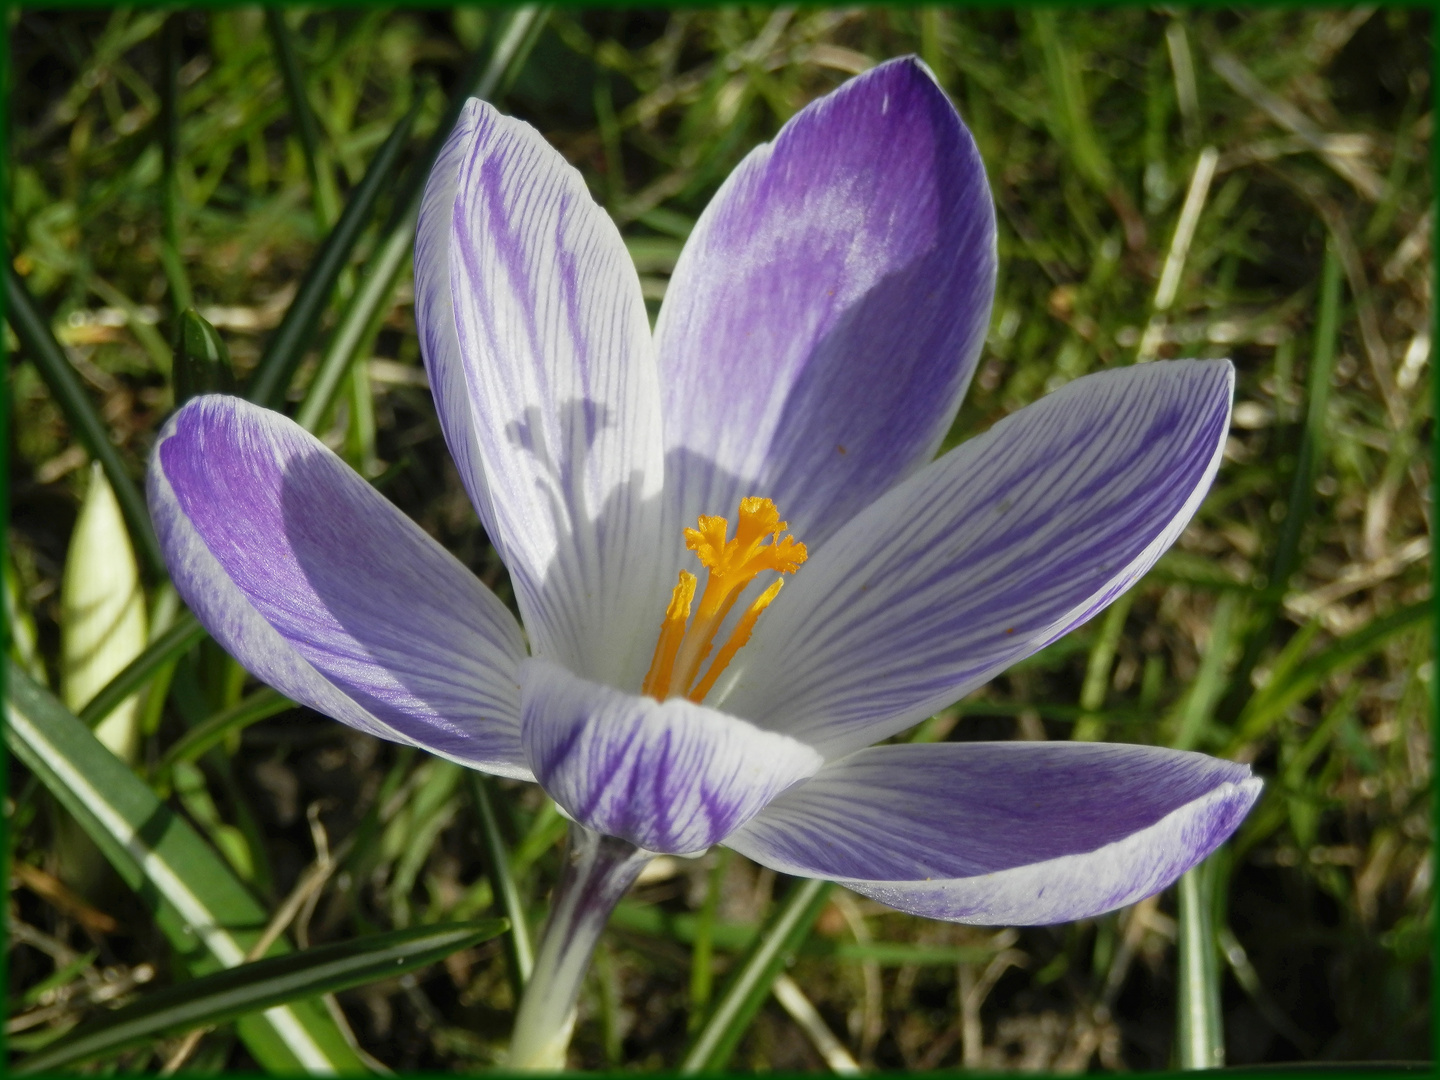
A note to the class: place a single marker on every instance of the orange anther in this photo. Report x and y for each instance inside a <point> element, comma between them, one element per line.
<point>731,564</point>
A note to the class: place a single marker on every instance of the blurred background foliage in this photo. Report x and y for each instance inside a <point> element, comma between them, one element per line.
<point>1250,183</point>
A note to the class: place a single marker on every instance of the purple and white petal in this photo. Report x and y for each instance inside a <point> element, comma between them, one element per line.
<point>558,369</point>
<point>1005,544</point>
<point>1013,833</point>
<point>670,777</point>
<point>826,314</point>
<point>435,318</point>
<point>324,590</point>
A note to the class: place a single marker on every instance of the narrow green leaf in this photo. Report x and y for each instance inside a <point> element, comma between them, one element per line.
<point>366,309</point>
<point>254,987</point>
<point>1090,728</point>
<point>702,971</point>
<point>292,337</point>
<point>62,974</point>
<point>184,633</point>
<point>546,830</point>
<point>1199,704</point>
<point>49,359</point>
<point>1071,118</point>
<point>260,705</point>
<point>489,74</point>
<point>686,928</point>
<point>321,185</point>
<point>749,986</point>
<point>287,347</point>
<point>180,295</point>
<point>361,319</point>
<point>519,953</point>
<point>1280,694</point>
<point>1302,488</point>
<point>209,917</point>
<point>202,362</point>
<point>1312,442</point>
<point>1188,568</point>
<point>514,39</point>
<point>150,339</point>
<point>18,629</point>
<point>1293,776</point>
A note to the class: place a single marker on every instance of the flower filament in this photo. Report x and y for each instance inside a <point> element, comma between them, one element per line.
<point>731,564</point>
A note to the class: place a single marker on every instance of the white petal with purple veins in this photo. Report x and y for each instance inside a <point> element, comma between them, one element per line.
<point>669,776</point>
<point>1005,544</point>
<point>558,363</point>
<point>1004,833</point>
<point>324,590</point>
<point>435,319</point>
<point>825,316</point>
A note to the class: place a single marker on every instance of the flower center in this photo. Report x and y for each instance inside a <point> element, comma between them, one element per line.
<point>732,564</point>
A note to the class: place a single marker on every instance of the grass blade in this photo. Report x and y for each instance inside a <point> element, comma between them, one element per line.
<point>358,324</point>
<point>487,76</point>
<point>208,916</point>
<point>302,114</point>
<point>702,952</point>
<point>754,976</point>
<point>362,315</point>
<point>180,294</point>
<point>258,986</point>
<point>1302,488</point>
<point>513,42</point>
<point>174,641</point>
<point>261,705</point>
<point>519,952</point>
<point>1089,728</point>
<point>287,346</point>
<point>1198,706</point>
<point>1281,693</point>
<point>1312,443</point>
<point>49,359</point>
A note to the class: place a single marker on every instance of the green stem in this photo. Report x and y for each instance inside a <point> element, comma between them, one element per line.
<point>598,870</point>
<point>1201,1040</point>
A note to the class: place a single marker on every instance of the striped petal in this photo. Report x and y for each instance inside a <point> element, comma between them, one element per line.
<point>670,777</point>
<point>435,319</point>
<point>547,390</point>
<point>324,590</point>
<point>825,316</point>
<point>1008,542</point>
<point>1004,833</point>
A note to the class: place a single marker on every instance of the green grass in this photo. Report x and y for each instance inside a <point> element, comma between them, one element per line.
<point>157,158</point>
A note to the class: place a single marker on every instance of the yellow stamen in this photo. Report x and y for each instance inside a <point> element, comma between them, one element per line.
<point>741,634</point>
<point>672,632</point>
<point>732,565</point>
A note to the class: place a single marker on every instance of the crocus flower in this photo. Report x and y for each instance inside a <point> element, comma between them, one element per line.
<point>815,341</point>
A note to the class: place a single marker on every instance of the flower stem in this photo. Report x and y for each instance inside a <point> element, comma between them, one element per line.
<point>598,871</point>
